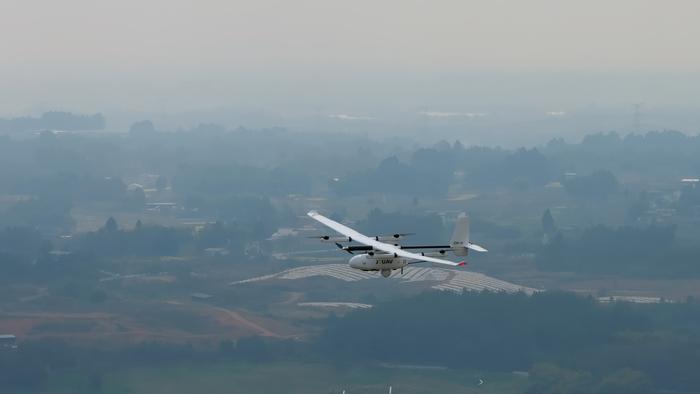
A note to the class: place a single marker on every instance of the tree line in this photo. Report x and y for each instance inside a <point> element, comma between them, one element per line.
<point>647,251</point>
<point>567,343</point>
<point>570,344</point>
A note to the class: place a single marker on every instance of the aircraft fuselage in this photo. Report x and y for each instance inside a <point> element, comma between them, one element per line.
<point>385,263</point>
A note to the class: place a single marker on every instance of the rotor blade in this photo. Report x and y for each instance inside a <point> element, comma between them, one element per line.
<point>304,252</point>
<point>391,237</point>
<point>343,248</point>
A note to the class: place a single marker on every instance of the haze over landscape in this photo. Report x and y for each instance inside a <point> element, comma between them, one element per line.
<point>540,67</point>
<point>232,196</point>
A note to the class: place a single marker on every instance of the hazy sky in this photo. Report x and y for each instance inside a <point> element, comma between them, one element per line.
<point>168,54</point>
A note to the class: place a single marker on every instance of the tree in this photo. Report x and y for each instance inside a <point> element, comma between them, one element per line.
<point>40,212</point>
<point>110,225</point>
<point>640,207</point>
<point>68,121</point>
<point>55,120</point>
<point>551,379</point>
<point>526,168</point>
<point>625,381</point>
<point>548,225</point>
<point>161,182</point>
<point>689,198</point>
<point>144,127</point>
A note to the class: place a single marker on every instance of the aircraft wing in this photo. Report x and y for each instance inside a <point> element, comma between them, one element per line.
<point>381,246</point>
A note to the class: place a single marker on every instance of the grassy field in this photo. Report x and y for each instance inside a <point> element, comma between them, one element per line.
<point>291,378</point>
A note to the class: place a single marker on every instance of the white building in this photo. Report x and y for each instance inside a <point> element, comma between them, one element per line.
<point>8,341</point>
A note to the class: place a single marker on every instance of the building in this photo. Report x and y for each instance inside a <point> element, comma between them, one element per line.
<point>216,252</point>
<point>8,341</point>
<point>201,296</point>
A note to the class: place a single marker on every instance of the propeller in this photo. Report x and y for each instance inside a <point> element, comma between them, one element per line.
<point>328,238</point>
<point>399,235</point>
<point>343,248</point>
<point>391,237</point>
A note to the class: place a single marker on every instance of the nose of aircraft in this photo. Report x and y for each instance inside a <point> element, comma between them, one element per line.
<point>357,261</point>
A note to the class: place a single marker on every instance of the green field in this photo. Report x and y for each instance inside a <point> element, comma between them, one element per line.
<point>289,378</point>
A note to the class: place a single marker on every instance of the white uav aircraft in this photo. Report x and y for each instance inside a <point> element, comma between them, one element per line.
<point>385,257</point>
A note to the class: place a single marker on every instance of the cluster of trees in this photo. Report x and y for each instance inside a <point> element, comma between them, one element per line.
<point>569,343</point>
<point>212,159</point>
<point>209,164</point>
<point>430,171</point>
<point>596,186</point>
<point>110,241</point>
<point>631,251</point>
<point>552,379</point>
<point>32,367</point>
<point>394,177</point>
<point>659,154</point>
<point>85,168</point>
<point>151,240</point>
<point>54,120</point>
<point>43,213</point>
<point>237,179</point>
<point>689,198</point>
<point>256,213</point>
<point>75,187</point>
<point>27,254</point>
<point>55,194</point>
<point>20,249</point>
<point>667,154</point>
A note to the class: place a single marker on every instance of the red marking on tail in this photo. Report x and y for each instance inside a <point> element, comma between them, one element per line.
<point>462,264</point>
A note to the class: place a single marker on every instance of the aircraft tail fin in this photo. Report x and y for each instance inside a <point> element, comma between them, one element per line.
<point>460,236</point>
